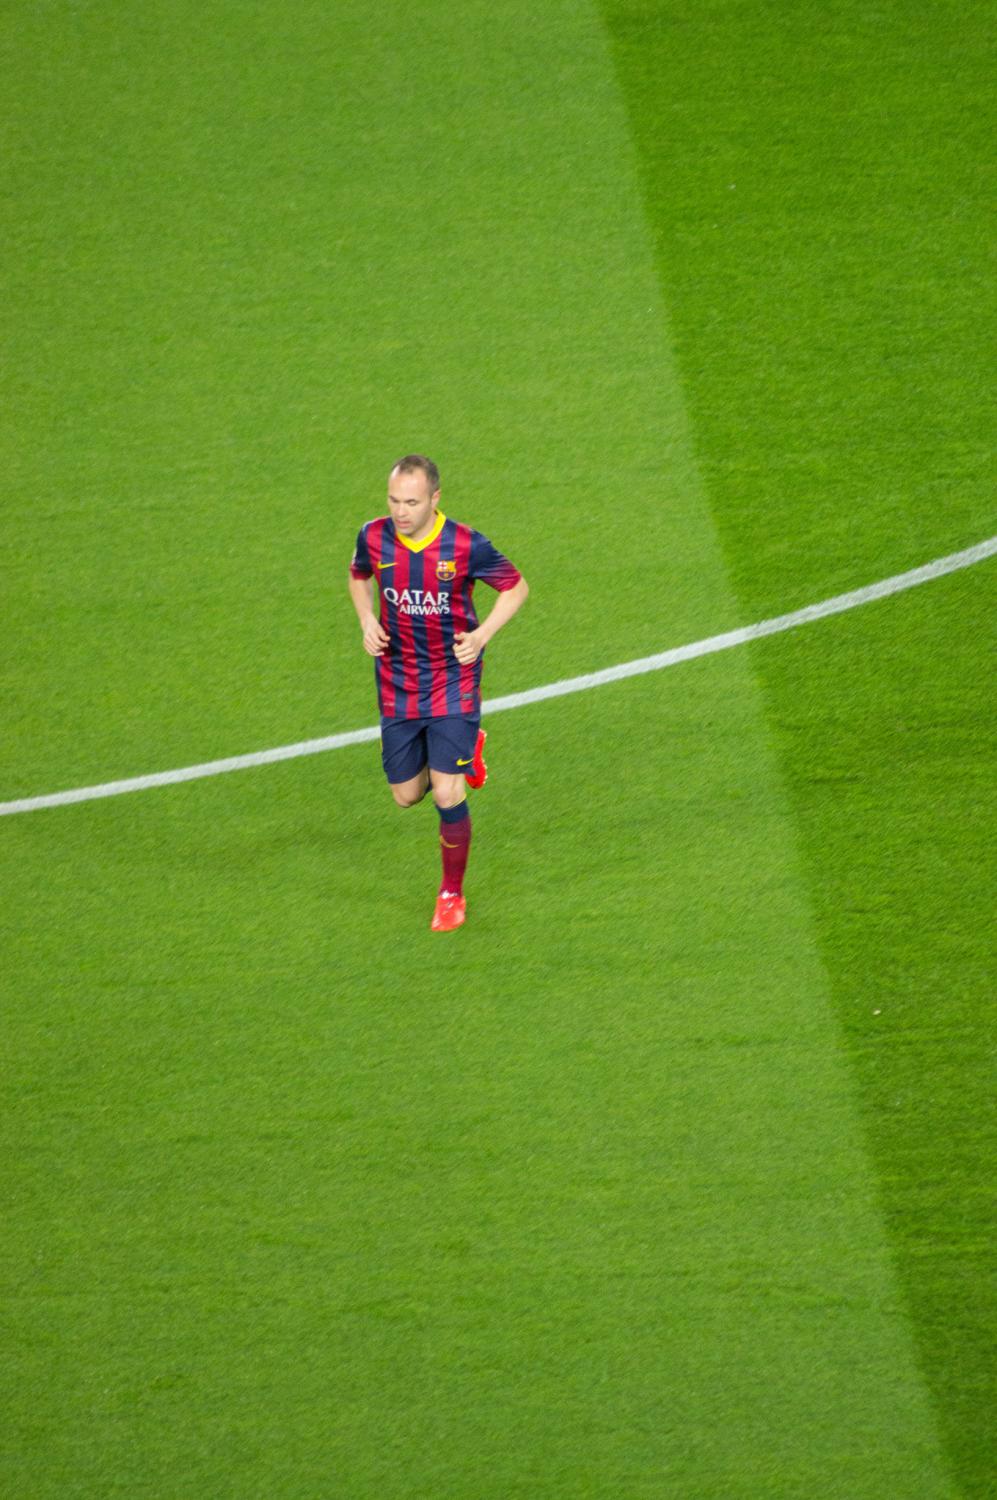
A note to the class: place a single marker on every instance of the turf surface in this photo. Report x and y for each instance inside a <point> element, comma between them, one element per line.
<point>814,178</point>
<point>625,1189</point>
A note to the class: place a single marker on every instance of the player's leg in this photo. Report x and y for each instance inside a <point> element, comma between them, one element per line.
<point>408,793</point>
<point>448,791</point>
<point>405,759</point>
<point>451,742</point>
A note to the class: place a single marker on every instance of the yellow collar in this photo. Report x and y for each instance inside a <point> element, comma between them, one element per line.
<point>430,536</point>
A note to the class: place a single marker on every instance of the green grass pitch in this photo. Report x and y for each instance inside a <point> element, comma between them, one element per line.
<point>666,1178</point>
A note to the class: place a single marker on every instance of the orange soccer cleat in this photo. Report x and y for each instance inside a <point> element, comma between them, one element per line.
<point>478,774</point>
<point>450,912</point>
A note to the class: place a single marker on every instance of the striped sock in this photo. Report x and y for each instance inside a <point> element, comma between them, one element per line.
<point>455,843</point>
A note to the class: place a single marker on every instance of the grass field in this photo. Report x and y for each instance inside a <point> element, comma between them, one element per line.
<point>668,1175</point>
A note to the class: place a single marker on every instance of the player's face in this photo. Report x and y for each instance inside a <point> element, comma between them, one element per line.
<point>412,505</point>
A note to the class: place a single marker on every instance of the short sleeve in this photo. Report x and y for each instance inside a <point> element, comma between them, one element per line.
<point>360,567</point>
<point>488,564</point>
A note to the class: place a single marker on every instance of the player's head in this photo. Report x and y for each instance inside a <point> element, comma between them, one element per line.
<point>413,494</point>
<point>418,463</point>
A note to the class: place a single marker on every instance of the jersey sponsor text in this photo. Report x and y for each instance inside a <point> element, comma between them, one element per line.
<point>419,601</point>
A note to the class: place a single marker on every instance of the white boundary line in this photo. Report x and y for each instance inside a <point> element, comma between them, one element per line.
<point>811,612</point>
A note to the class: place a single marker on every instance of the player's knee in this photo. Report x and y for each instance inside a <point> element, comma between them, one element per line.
<point>408,796</point>
<point>451,795</point>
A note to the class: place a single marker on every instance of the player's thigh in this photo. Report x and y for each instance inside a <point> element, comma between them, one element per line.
<point>404,751</point>
<point>450,744</point>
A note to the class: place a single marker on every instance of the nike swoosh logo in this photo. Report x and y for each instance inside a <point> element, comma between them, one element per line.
<point>466,762</point>
<point>384,565</point>
<point>449,846</point>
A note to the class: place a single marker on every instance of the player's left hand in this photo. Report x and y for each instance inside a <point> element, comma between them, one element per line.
<point>468,646</point>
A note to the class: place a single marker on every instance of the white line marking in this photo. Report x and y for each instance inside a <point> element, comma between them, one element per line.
<point>811,612</point>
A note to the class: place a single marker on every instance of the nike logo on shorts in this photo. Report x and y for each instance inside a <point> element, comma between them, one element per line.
<point>466,762</point>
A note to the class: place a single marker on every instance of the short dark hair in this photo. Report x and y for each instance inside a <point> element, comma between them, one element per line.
<point>418,463</point>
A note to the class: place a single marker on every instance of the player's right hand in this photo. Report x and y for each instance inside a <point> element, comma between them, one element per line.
<point>375,639</point>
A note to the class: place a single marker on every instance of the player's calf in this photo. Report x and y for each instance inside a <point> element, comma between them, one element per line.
<point>455,845</point>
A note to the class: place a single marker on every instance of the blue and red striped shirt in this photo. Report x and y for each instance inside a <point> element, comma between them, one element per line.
<point>427,590</point>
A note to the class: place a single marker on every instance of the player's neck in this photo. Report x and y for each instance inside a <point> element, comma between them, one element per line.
<point>427,534</point>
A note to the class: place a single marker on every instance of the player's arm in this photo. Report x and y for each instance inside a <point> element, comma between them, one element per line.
<point>469,644</point>
<point>375,638</point>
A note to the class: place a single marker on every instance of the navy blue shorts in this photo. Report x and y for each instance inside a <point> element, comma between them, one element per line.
<point>443,744</point>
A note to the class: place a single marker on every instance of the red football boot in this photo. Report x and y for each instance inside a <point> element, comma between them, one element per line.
<point>450,912</point>
<point>478,774</point>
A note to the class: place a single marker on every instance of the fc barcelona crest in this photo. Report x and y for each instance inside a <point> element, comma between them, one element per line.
<point>446,571</point>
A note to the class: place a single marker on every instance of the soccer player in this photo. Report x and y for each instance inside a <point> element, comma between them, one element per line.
<point>428,645</point>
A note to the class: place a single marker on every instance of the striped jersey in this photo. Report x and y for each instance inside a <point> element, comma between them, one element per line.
<point>427,590</point>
